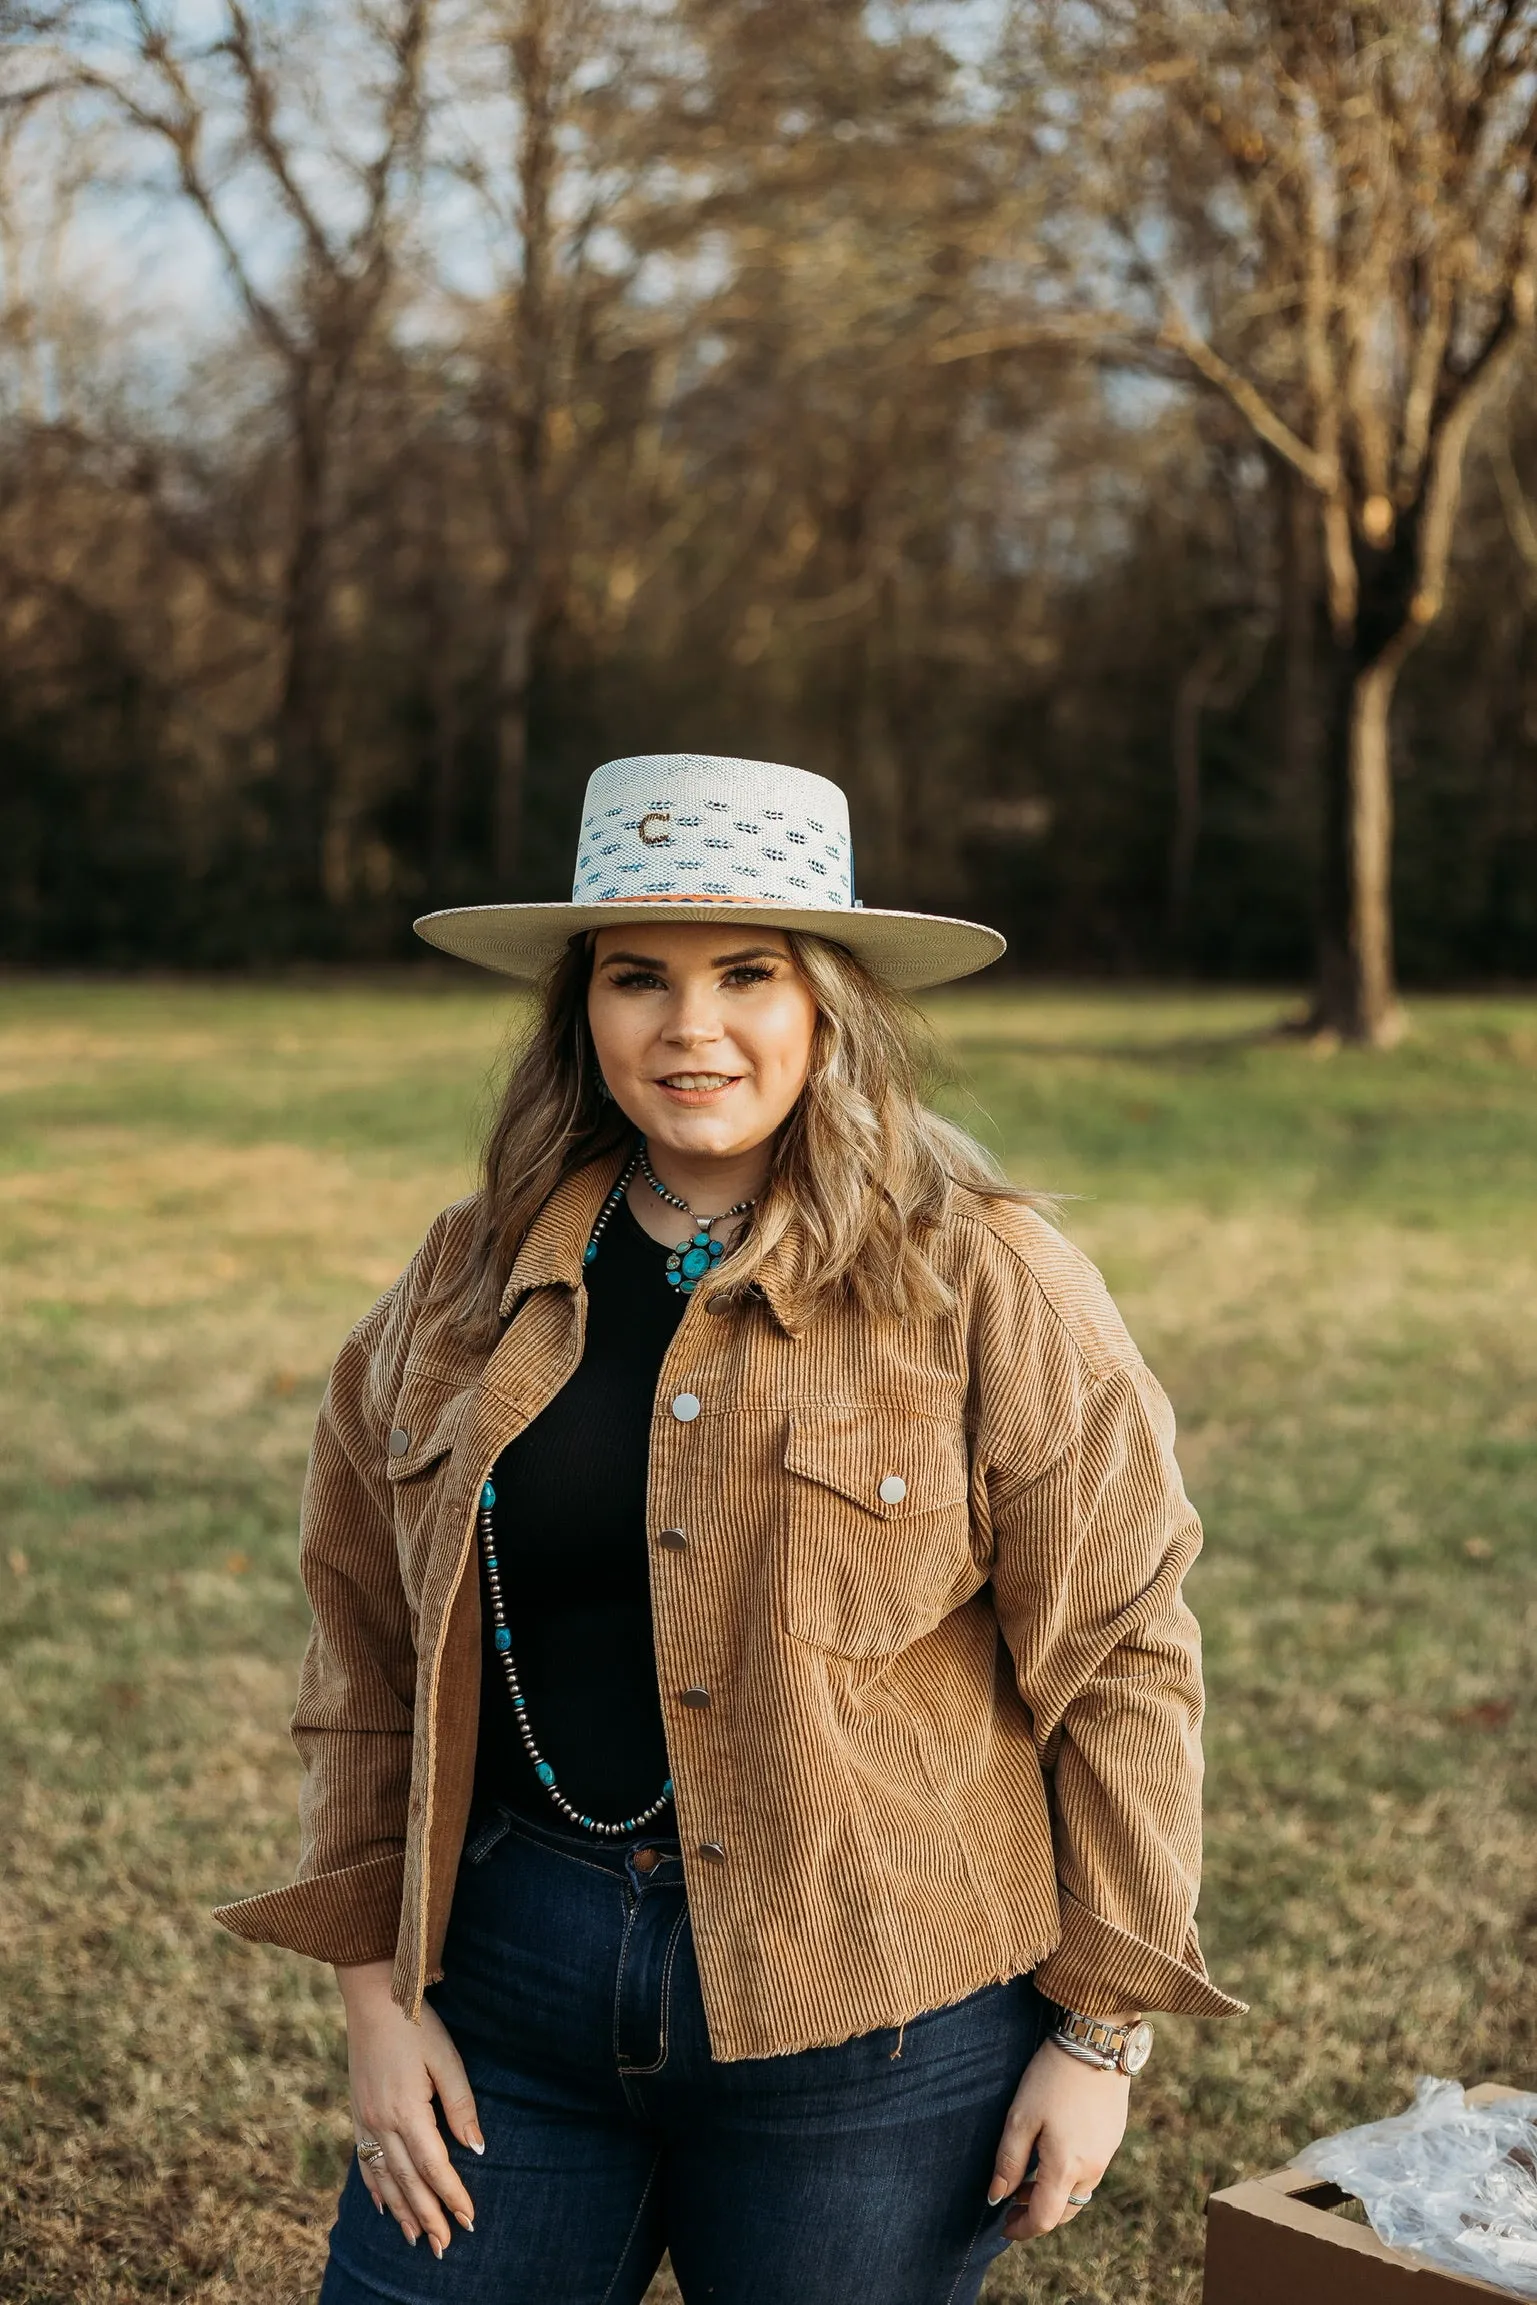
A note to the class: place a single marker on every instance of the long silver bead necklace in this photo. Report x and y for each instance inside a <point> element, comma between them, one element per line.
<point>686,1267</point>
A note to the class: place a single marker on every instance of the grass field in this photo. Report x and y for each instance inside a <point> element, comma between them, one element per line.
<point>1332,1264</point>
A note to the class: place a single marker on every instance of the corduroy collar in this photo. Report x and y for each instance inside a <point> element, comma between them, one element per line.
<point>551,1254</point>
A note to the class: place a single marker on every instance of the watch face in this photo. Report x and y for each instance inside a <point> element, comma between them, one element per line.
<point>1138,2049</point>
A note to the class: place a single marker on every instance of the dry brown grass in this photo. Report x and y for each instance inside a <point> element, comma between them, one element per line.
<point>1333,1269</point>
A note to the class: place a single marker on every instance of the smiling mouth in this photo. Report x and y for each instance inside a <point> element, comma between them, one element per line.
<point>697,1083</point>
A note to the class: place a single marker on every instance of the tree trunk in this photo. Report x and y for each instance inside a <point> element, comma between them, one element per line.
<point>1190,702</point>
<point>443,754</point>
<point>1357,997</point>
<point>539,63</point>
<point>514,676</point>
<point>303,778</point>
<point>1301,622</point>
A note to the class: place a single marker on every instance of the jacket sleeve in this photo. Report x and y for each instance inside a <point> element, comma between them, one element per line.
<point>1090,1551</point>
<point>352,1722</point>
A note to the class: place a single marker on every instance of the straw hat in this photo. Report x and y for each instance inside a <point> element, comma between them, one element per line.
<point>682,836</point>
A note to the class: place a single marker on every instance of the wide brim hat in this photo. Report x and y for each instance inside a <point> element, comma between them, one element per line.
<point>690,836</point>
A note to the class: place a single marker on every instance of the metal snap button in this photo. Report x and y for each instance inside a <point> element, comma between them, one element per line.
<point>698,1696</point>
<point>892,1489</point>
<point>676,1540</point>
<point>713,1849</point>
<point>399,1442</point>
<point>685,1407</point>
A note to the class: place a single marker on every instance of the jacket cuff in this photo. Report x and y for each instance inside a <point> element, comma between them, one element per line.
<point>1097,1966</point>
<point>348,1916</point>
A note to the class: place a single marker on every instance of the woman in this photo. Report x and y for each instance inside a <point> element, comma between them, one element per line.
<point>769,1854</point>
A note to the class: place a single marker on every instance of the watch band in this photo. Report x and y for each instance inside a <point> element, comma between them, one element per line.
<point>1096,2041</point>
<point>1086,2056</point>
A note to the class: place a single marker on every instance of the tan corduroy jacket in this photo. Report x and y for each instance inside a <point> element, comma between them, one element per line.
<point>930,1577</point>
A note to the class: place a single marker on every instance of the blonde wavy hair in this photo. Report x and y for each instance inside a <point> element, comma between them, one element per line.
<point>862,1170</point>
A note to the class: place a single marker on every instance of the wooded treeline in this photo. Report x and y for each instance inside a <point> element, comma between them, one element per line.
<point>1060,428</point>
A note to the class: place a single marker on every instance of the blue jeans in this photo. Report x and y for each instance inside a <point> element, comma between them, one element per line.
<point>826,2177</point>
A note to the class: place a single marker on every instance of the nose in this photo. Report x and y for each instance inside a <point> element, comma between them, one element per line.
<point>695,1018</point>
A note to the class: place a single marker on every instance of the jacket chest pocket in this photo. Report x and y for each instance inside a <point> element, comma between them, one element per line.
<point>429,1418</point>
<point>879,1535</point>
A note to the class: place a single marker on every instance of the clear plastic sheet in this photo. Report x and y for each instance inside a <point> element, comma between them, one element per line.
<point>1454,2181</point>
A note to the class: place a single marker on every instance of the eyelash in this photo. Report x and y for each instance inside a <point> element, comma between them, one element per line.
<point>749,973</point>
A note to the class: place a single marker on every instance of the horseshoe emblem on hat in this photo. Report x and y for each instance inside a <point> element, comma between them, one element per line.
<point>655,839</point>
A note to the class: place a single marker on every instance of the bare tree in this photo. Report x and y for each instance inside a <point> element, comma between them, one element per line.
<point>1327,215</point>
<point>544,111</point>
<point>853,186</point>
<point>227,112</point>
<point>1353,266</point>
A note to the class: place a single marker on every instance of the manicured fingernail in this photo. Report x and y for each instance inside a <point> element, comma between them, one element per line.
<point>467,2222</point>
<point>476,2141</point>
<point>379,2205</point>
<point>996,2193</point>
<point>411,2237</point>
<point>437,2246</point>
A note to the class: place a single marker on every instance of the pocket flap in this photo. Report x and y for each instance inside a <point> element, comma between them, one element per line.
<point>428,1418</point>
<point>892,1463</point>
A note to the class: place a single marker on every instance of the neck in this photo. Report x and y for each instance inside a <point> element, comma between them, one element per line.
<point>707,1182</point>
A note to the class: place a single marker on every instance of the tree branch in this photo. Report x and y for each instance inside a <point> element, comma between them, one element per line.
<point>1320,472</point>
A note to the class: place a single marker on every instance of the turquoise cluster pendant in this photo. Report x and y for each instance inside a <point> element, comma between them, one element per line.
<point>691,1260</point>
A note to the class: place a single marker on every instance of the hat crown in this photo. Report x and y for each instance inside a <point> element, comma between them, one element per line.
<point>707,827</point>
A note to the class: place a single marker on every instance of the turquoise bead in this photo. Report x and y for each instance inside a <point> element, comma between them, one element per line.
<point>696,1262</point>
<point>545,1773</point>
<point>667,1790</point>
<point>589,1252</point>
<point>487,1497</point>
<point>503,1637</point>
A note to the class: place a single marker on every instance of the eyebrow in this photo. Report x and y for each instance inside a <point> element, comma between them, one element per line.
<point>721,960</point>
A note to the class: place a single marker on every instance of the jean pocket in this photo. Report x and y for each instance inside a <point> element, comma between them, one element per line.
<point>480,1844</point>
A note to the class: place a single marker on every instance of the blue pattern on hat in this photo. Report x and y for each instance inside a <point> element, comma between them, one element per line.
<point>759,813</point>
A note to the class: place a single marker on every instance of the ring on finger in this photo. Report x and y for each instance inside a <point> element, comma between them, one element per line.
<point>369,2151</point>
<point>1081,2200</point>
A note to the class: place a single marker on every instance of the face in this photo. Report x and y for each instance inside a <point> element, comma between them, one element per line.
<point>703,1033</point>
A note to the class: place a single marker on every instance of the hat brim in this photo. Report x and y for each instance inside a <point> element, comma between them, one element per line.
<point>907,950</point>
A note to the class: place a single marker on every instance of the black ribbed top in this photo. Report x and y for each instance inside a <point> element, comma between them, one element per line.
<point>570,1521</point>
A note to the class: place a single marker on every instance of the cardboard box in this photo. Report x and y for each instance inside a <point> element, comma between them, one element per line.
<point>1272,2241</point>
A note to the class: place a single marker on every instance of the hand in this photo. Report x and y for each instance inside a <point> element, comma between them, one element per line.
<point>395,2068</point>
<point>1073,2117</point>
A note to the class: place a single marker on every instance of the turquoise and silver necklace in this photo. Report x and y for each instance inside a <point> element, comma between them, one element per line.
<point>693,1258</point>
<point>686,1267</point>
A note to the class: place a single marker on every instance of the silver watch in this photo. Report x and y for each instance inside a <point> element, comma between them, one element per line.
<point>1113,2048</point>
